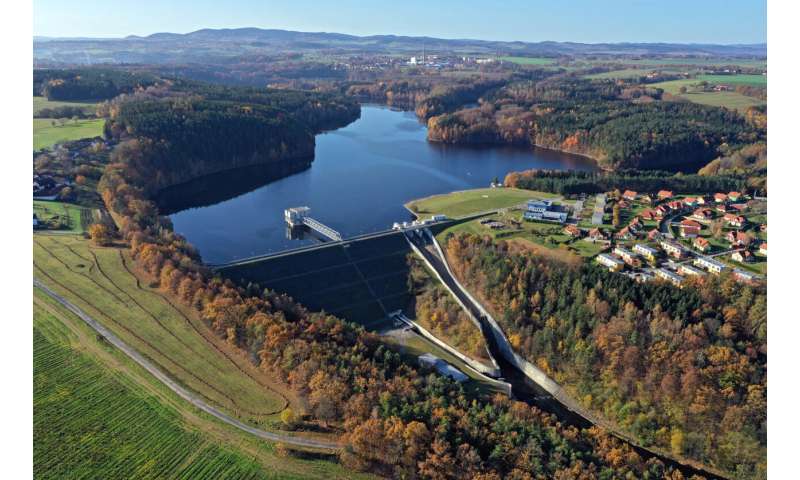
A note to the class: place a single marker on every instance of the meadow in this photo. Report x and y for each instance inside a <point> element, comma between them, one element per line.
<point>731,100</point>
<point>466,202</point>
<point>46,134</point>
<point>101,282</point>
<point>40,103</point>
<point>99,415</point>
<point>528,60</point>
<point>72,217</point>
<point>739,79</point>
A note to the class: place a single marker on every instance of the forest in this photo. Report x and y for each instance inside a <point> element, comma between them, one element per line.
<point>88,83</point>
<point>395,420</point>
<point>183,131</point>
<point>573,182</point>
<point>619,125</point>
<point>680,369</point>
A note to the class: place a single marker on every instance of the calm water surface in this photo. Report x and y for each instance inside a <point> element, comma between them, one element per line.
<point>359,180</point>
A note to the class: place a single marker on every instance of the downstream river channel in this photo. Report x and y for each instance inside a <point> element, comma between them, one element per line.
<point>361,176</point>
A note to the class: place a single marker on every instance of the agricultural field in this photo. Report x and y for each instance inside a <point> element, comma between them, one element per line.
<point>97,414</point>
<point>620,74</point>
<point>731,100</point>
<point>528,60</point>
<point>40,103</point>
<point>101,281</point>
<point>466,202</point>
<point>46,133</point>
<point>704,62</point>
<point>755,80</point>
<point>62,216</point>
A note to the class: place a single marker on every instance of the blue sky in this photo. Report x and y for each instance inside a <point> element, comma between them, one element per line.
<point>680,21</point>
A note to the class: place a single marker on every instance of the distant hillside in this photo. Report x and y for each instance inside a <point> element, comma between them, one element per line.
<point>215,44</point>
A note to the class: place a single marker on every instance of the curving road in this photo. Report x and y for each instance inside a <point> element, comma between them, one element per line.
<point>179,390</point>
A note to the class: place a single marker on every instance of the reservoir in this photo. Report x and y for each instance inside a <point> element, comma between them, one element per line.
<point>360,177</point>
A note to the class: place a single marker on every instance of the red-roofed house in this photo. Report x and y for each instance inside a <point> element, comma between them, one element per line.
<point>738,238</point>
<point>734,220</point>
<point>720,198</point>
<point>701,244</point>
<point>742,256</point>
<point>734,196</point>
<point>573,231</point>
<point>649,214</point>
<point>664,194</point>
<point>629,195</point>
<point>690,228</point>
<point>703,214</point>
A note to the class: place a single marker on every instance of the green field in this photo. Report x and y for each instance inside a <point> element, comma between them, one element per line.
<point>45,134</point>
<point>72,217</point>
<point>755,80</point>
<point>99,415</point>
<point>40,103</point>
<point>697,62</point>
<point>732,100</point>
<point>466,202</point>
<point>99,281</point>
<point>624,73</point>
<point>529,60</point>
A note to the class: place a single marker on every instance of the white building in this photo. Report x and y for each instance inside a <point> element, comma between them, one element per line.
<point>669,276</point>
<point>613,263</point>
<point>645,251</point>
<point>709,264</point>
<point>688,270</point>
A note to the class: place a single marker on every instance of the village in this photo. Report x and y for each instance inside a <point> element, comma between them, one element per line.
<point>671,237</point>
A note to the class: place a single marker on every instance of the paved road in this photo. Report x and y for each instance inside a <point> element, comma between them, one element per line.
<point>179,390</point>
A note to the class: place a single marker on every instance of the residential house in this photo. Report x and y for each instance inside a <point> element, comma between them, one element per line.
<point>664,194</point>
<point>653,235</point>
<point>742,256</point>
<point>721,207</point>
<point>647,252</point>
<point>629,195</point>
<point>669,276</point>
<point>737,238</point>
<point>613,263</point>
<point>709,264</point>
<point>646,199</point>
<point>661,211</point>
<point>763,227</point>
<point>690,202</point>
<point>673,249</point>
<point>701,244</point>
<point>734,196</point>
<point>703,214</point>
<point>701,200</point>
<point>624,234</point>
<point>689,228</point>
<point>734,220</point>
<point>573,231</point>
<point>720,198</point>
<point>762,249</point>
<point>676,205</point>
<point>627,256</point>
<point>597,235</point>
<point>739,207</point>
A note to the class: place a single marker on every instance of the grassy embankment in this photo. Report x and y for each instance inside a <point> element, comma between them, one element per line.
<point>49,131</point>
<point>99,414</point>
<point>101,282</point>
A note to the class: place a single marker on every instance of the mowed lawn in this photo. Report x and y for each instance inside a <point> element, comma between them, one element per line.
<point>45,134</point>
<point>98,281</point>
<point>466,202</point>
<point>73,217</point>
<point>740,79</point>
<point>99,415</point>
